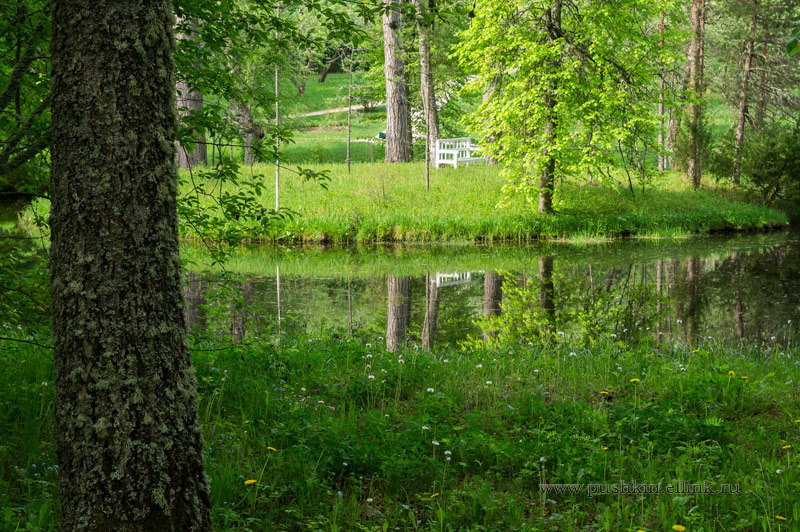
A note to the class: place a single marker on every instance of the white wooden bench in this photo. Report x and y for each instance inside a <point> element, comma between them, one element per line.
<point>455,151</point>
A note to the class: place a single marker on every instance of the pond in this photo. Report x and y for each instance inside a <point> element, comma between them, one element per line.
<point>727,289</point>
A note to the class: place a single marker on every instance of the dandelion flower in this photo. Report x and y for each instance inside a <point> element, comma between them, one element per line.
<point>435,443</point>
<point>488,383</point>
<point>604,392</point>
<point>786,447</point>
<point>678,528</point>
<point>430,390</point>
<point>425,427</point>
<point>447,453</point>
<point>731,373</point>
<point>479,366</point>
<point>778,471</point>
<point>248,482</point>
<point>271,449</point>
<point>634,380</point>
<point>434,495</point>
<point>369,499</point>
<point>605,448</point>
<point>780,518</point>
<point>744,377</point>
<point>371,377</point>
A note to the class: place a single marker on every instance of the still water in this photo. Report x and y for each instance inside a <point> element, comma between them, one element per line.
<point>723,288</point>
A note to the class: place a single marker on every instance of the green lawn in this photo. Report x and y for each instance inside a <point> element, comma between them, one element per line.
<point>388,202</point>
<point>344,436</point>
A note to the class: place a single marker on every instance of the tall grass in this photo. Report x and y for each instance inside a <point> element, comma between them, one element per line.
<point>389,203</point>
<point>331,448</point>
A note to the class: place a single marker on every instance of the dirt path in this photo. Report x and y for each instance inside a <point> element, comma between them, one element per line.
<point>338,110</point>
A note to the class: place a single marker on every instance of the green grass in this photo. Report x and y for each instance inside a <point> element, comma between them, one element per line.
<point>354,453</point>
<point>388,203</point>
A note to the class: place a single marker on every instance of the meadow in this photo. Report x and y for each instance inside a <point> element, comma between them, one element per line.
<point>388,203</point>
<point>326,434</point>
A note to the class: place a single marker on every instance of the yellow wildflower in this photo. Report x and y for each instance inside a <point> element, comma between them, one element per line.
<point>744,377</point>
<point>605,448</point>
<point>678,528</point>
<point>634,380</point>
<point>787,447</point>
<point>780,518</point>
<point>731,373</point>
<point>435,495</point>
<point>248,482</point>
<point>604,392</point>
<point>271,449</point>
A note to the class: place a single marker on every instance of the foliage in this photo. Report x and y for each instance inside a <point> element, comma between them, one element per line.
<point>592,76</point>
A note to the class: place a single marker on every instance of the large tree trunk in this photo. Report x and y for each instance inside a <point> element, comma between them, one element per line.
<point>397,312</point>
<point>190,100</point>
<point>492,297</point>
<point>128,435</point>
<point>431,312</point>
<point>740,122</point>
<point>547,179</point>
<point>695,114</point>
<point>427,91</point>
<point>398,131</point>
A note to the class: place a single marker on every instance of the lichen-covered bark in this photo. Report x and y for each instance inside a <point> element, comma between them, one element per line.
<point>129,439</point>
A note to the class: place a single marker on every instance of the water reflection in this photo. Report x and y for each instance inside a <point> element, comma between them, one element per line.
<point>740,289</point>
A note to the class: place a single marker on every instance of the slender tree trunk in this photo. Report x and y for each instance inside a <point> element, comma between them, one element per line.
<point>740,122</point>
<point>248,129</point>
<point>492,297</point>
<point>662,157</point>
<point>326,69</point>
<point>488,92</point>
<point>761,108</point>
<point>695,114</point>
<point>397,312</point>
<point>431,312</point>
<point>129,439</point>
<point>398,131</point>
<point>547,178</point>
<point>189,101</point>
<point>195,290</point>
<point>547,291</point>
<point>427,91</point>
<point>239,313</point>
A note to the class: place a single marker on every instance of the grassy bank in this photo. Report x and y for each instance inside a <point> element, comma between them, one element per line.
<point>388,203</point>
<point>459,440</point>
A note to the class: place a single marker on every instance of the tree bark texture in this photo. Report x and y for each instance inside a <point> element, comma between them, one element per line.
<point>398,130</point>
<point>431,312</point>
<point>695,112</point>
<point>190,100</point>
<point>427,91</point>
<point>128,435</point>
<point>397,312</point>
<point>742,115</point>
